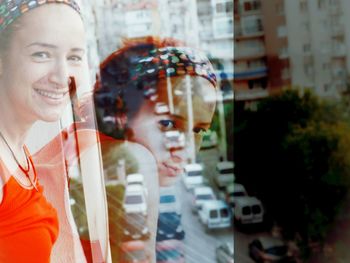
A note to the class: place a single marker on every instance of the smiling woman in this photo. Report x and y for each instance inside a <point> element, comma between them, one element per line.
<point>38,58</point>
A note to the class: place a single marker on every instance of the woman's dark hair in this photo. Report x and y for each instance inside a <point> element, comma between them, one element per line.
<point>117,81</point>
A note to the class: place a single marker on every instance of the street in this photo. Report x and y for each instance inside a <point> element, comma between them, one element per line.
<point>199,245</point>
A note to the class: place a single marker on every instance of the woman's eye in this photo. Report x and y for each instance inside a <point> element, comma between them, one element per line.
<point>75,58</point>
<point>199,130</point>
<point>167,124</point>
<point>41,55</point>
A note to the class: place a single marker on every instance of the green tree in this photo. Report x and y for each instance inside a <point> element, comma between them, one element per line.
<point>293,153</point>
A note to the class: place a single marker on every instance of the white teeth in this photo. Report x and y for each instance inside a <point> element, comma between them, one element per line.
<point>51,95</point>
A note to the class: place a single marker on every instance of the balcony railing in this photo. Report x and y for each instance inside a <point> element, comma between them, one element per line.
<point>250,73</point>
<point>249,53</point>
<point>339,51</point>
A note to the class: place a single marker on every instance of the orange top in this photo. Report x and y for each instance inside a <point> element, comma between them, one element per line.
<point>28,223</point>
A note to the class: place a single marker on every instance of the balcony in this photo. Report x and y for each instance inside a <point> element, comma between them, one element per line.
<point>250,73</point>
<point>337,31</point>
<point>251,94</point>
<point>246,53</point>
<point>339,51</point>
<point>248,32</point>
<point>206,34</point>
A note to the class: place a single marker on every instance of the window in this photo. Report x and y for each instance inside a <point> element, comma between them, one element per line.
<point>213,214</point>
<point>251,5</point>
<point>252,25</point>
<point>246,210</point>
<point>282,31</point>
<point>321,4</point>
<point>224,8</point>
<point>280,8</point>
<point>285,73</point>
<point>283,53</point>
<point>303,6</point>
<point>306,48</point>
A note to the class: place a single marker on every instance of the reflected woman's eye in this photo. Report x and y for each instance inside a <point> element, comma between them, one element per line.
<point>41,55</point>
<point>199,130</point>
<point>167,124</point>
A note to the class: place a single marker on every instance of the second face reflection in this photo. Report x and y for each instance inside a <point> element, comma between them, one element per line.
<point>163,134</point>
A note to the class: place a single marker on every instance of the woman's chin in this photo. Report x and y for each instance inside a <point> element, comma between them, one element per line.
<point>167,181</point>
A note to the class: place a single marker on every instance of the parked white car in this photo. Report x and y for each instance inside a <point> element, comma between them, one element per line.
<point>136,179</point>
<point>174,139</point>
<point>168,201</point>
<point>248,210</point>
<point>201,194</point>
<point>215,214</point>
<point>135,199</point>
<point>224,174</point>
<point>161,108</point>
<point>193,175</point>
<point>232,192</point>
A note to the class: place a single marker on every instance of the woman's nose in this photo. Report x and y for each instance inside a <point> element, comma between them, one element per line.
<point>60,74</point>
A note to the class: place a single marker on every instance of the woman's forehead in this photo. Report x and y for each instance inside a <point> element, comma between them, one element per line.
<point>51,24</point>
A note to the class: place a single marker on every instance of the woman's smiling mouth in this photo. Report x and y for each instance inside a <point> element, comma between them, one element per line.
<point>51,95</point>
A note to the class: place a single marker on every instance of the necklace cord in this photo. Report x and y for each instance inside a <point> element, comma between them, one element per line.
<point>29,162</point>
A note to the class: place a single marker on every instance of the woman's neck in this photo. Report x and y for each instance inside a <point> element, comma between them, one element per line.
<point>13,127</point>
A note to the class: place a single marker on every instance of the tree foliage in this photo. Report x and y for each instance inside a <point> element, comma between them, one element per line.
<point>294,153</point>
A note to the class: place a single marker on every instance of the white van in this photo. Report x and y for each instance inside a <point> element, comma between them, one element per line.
<point>248,210</point>
<point>224,174</point>
<point>215,214</point>
<point>193,175</point>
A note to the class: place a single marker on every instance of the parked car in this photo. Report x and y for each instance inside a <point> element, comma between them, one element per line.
<point>209,139</point>
<point>136,179</point>
<point>149,92</point>
<point>135,199</point>
<point>215,214</point>
<point>135,226</point>
<point>248,210</point>
<point>168,201</point>
<point>165,124</point>
<point>133,252</point>
<point>169,227</point>
<point>192,175</point>
<point>170,251</point>
<point>268,249</point>
<point>232,192</point>
<point>161,108</point>
<point>224,253</point>
<point>174,140</point>
<point>201,194</point>
<point>224,174</point>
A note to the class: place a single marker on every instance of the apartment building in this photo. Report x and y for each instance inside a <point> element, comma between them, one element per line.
<point>215,27</point>
<point>319,44</point>
<point>250,60</point>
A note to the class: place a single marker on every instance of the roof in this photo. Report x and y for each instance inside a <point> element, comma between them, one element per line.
<point>225,165</point>
<point>134,177</point>
<point>235,188</point>
<point>270,241</point>
<point>202,190</point>
<point>193,167</point>
<point>167,190</point>
<point>247,200</point>
<point>134,188</point>
<point>215,204</point>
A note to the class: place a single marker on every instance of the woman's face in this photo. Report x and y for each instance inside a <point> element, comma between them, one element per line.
<point>147,130</point>
<point>45,50</point>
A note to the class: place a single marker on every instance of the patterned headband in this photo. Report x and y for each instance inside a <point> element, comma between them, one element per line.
<point>10,10</point>
<point>175,61</point>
